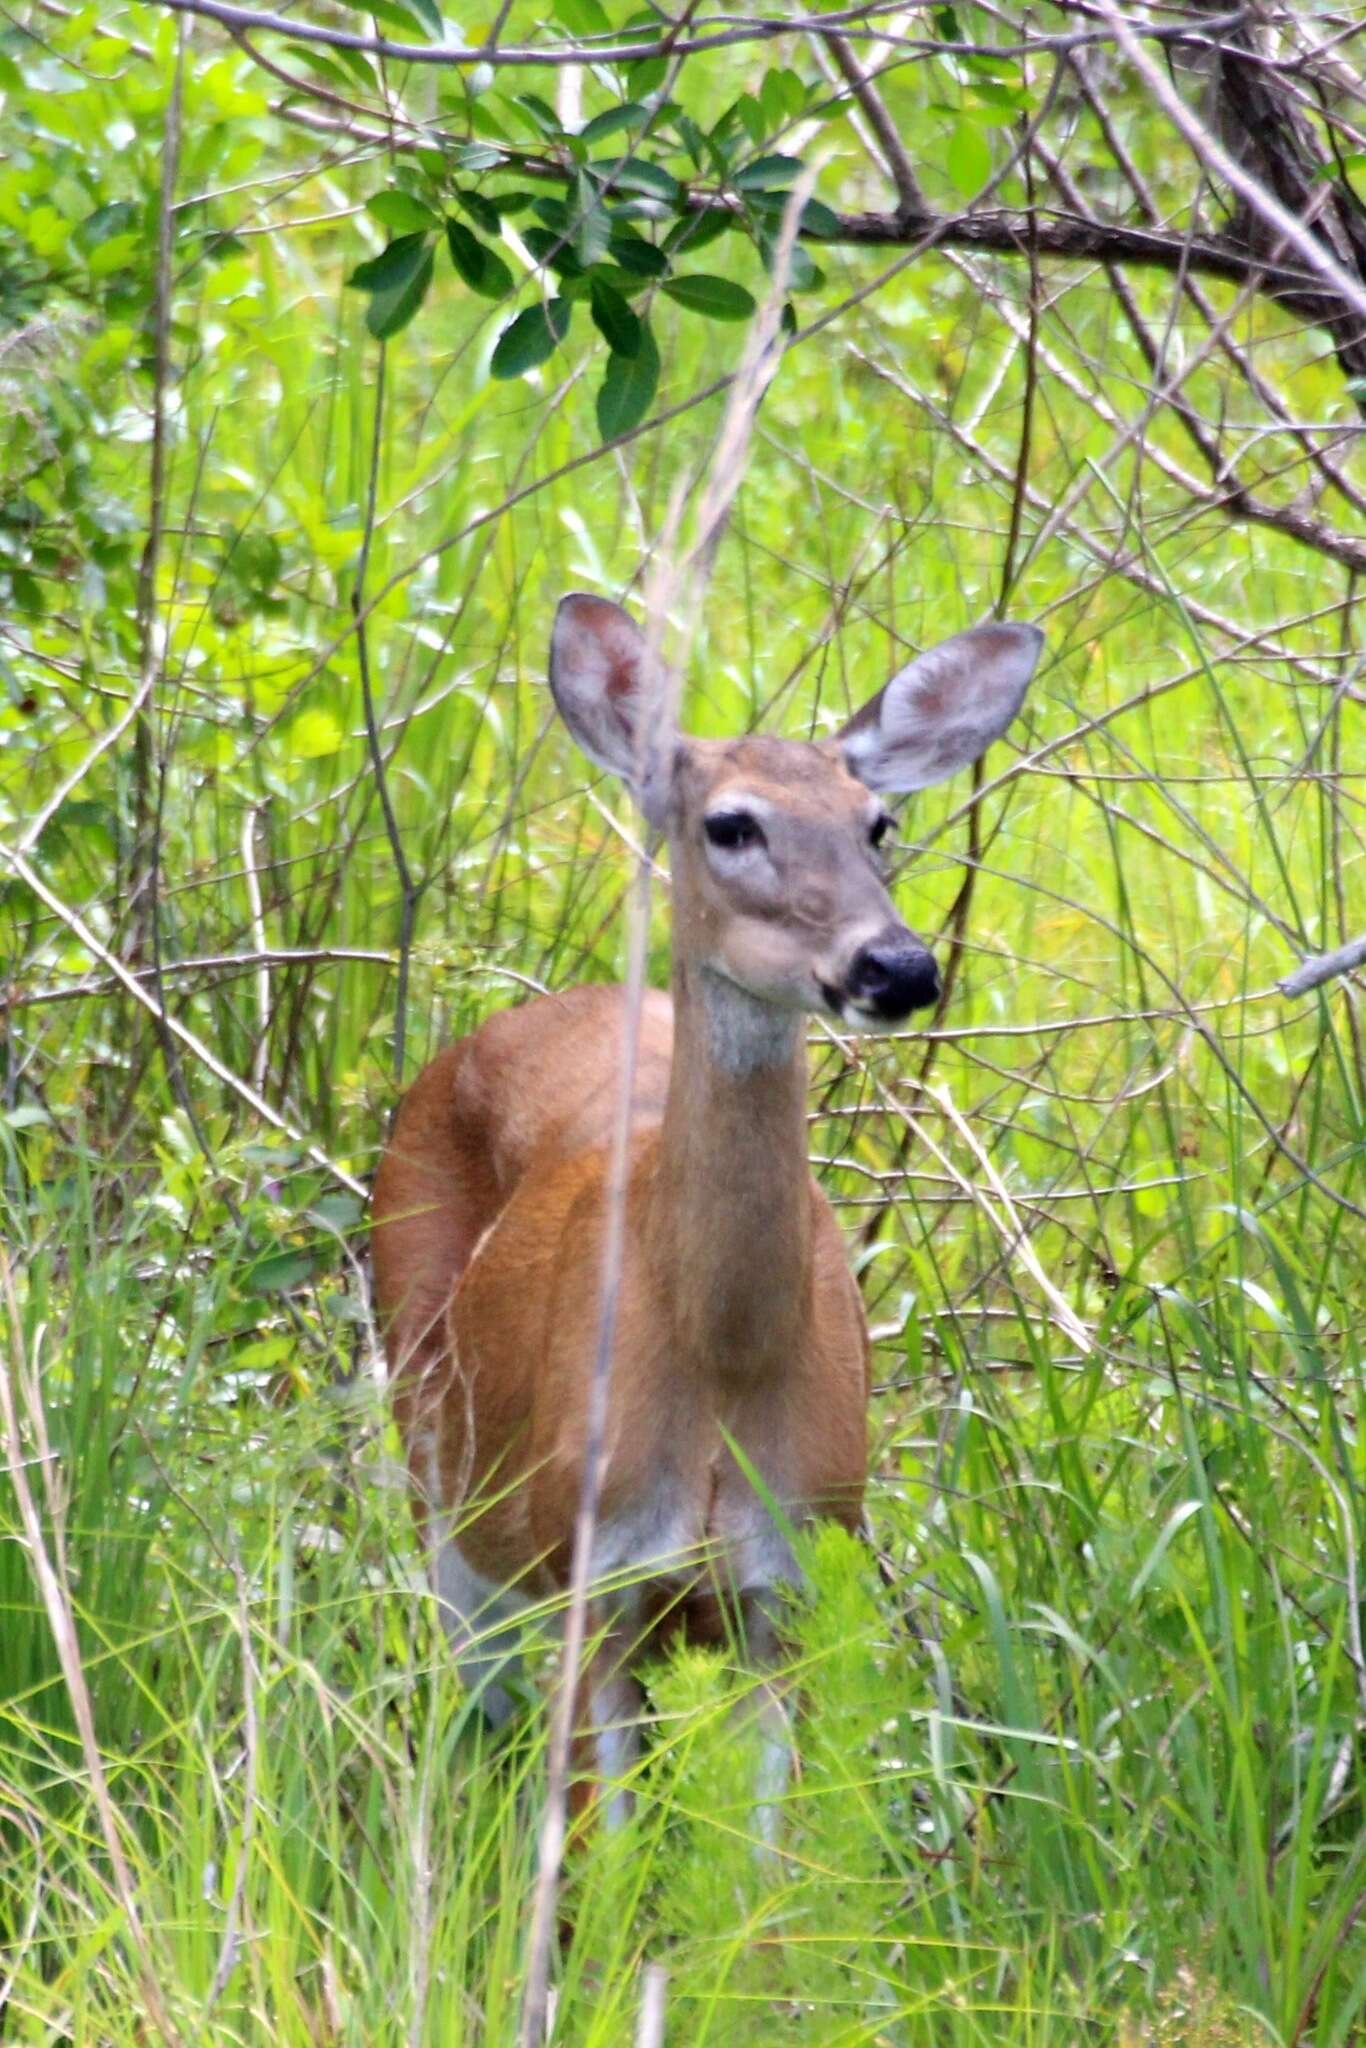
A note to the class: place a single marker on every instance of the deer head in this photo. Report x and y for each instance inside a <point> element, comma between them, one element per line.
<point>775,844</point>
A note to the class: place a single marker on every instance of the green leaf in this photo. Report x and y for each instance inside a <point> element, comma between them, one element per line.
<point>717,297</point>
<point>27,592</point>
<point>802,274</point>
<point>549,246</point>
<point>691,137</point>
<point>405,15</point>
<point>749,112</point>
<point>796,93</point>
<point>393,267</point>
<point>619,327</point>
<point>819,219</point>
<point>582,17</point>
<point>509,202</point>
<point>543,115</point>
<point>338,1211</point>
<point>695,230</point>
<point>634,253</point>
<point>481,211</point>
<point>773,98</point>
<point>783,96</point>
<point>628,388</point>
<point>326,68</point>
<point>115,254</point>
<point>391,310</point>
<point>483,121</point>
<point>483,270</point>
<point>643,74</point>
<point>767,174</point>
<point>314,733</point>
<point>530,339</point>
<point>119,217</point>
<point>360,66</point>
<point>1008,99</point>
<point>630,114</point>
<point>634,174</point>
<point>722,143</point>
<point>592,223</point>
<point>1352,163</point>
<point>620,281</point>
<point>400,213</point>
<point>769,208</point>
<point>281,1271</point>
<point>476,156</point>
<point>647,74</point>
<point>968,159</point>
<point>79,817</point>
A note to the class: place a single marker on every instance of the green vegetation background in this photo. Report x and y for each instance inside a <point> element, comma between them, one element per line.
<point>1083,1761</point>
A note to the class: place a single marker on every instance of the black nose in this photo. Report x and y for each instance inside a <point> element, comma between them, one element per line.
<point>893,979</point>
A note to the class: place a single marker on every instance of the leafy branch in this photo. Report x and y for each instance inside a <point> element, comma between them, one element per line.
<point>614,241</point>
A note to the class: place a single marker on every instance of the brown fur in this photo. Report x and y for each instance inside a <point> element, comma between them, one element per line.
<point>719,1325</point>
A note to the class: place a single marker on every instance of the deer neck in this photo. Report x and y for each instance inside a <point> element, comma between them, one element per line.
<point>730,1222</point>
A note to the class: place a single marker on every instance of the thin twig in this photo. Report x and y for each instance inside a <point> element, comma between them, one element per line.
<point>230,1944</point>
<point>408,890</point>
<point>258,932</point>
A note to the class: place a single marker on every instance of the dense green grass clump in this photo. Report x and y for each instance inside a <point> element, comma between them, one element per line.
<point>1092,1741</point>
<point>1080,1746</point>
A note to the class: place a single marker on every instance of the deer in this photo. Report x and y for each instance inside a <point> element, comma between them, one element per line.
<point>740,1357</point>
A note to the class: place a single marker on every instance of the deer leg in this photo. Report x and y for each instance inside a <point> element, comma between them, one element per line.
<point>765,1709</point>
<point>607,1741</point>
<point>483,1627</point>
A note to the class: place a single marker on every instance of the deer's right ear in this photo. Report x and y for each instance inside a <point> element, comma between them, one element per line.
<point>598,674</point>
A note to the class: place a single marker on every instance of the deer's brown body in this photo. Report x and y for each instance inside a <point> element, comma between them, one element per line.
<point>737,1320</point>
<point>772,1348</point>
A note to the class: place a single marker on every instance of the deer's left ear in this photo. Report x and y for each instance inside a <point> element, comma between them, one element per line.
<point>943,709</point>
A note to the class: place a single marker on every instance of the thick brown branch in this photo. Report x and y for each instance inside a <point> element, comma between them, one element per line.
<point>1081,237</point>
<point>1263,128</point>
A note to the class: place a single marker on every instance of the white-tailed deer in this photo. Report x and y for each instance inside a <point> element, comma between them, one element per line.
<point>738,1321</point>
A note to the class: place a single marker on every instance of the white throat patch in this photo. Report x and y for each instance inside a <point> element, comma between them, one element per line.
<point>743,1033</point>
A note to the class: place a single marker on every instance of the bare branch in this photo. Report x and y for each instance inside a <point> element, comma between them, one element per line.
<point>729,30</point>
<point>1321,967</point>
<point>880,121</point>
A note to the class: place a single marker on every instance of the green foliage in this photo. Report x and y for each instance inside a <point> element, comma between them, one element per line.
<point>587,238</point>
<point>533,336</point>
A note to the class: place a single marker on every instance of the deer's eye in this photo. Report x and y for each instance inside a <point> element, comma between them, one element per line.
<point>733,830</point>
<point>879,829</point>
